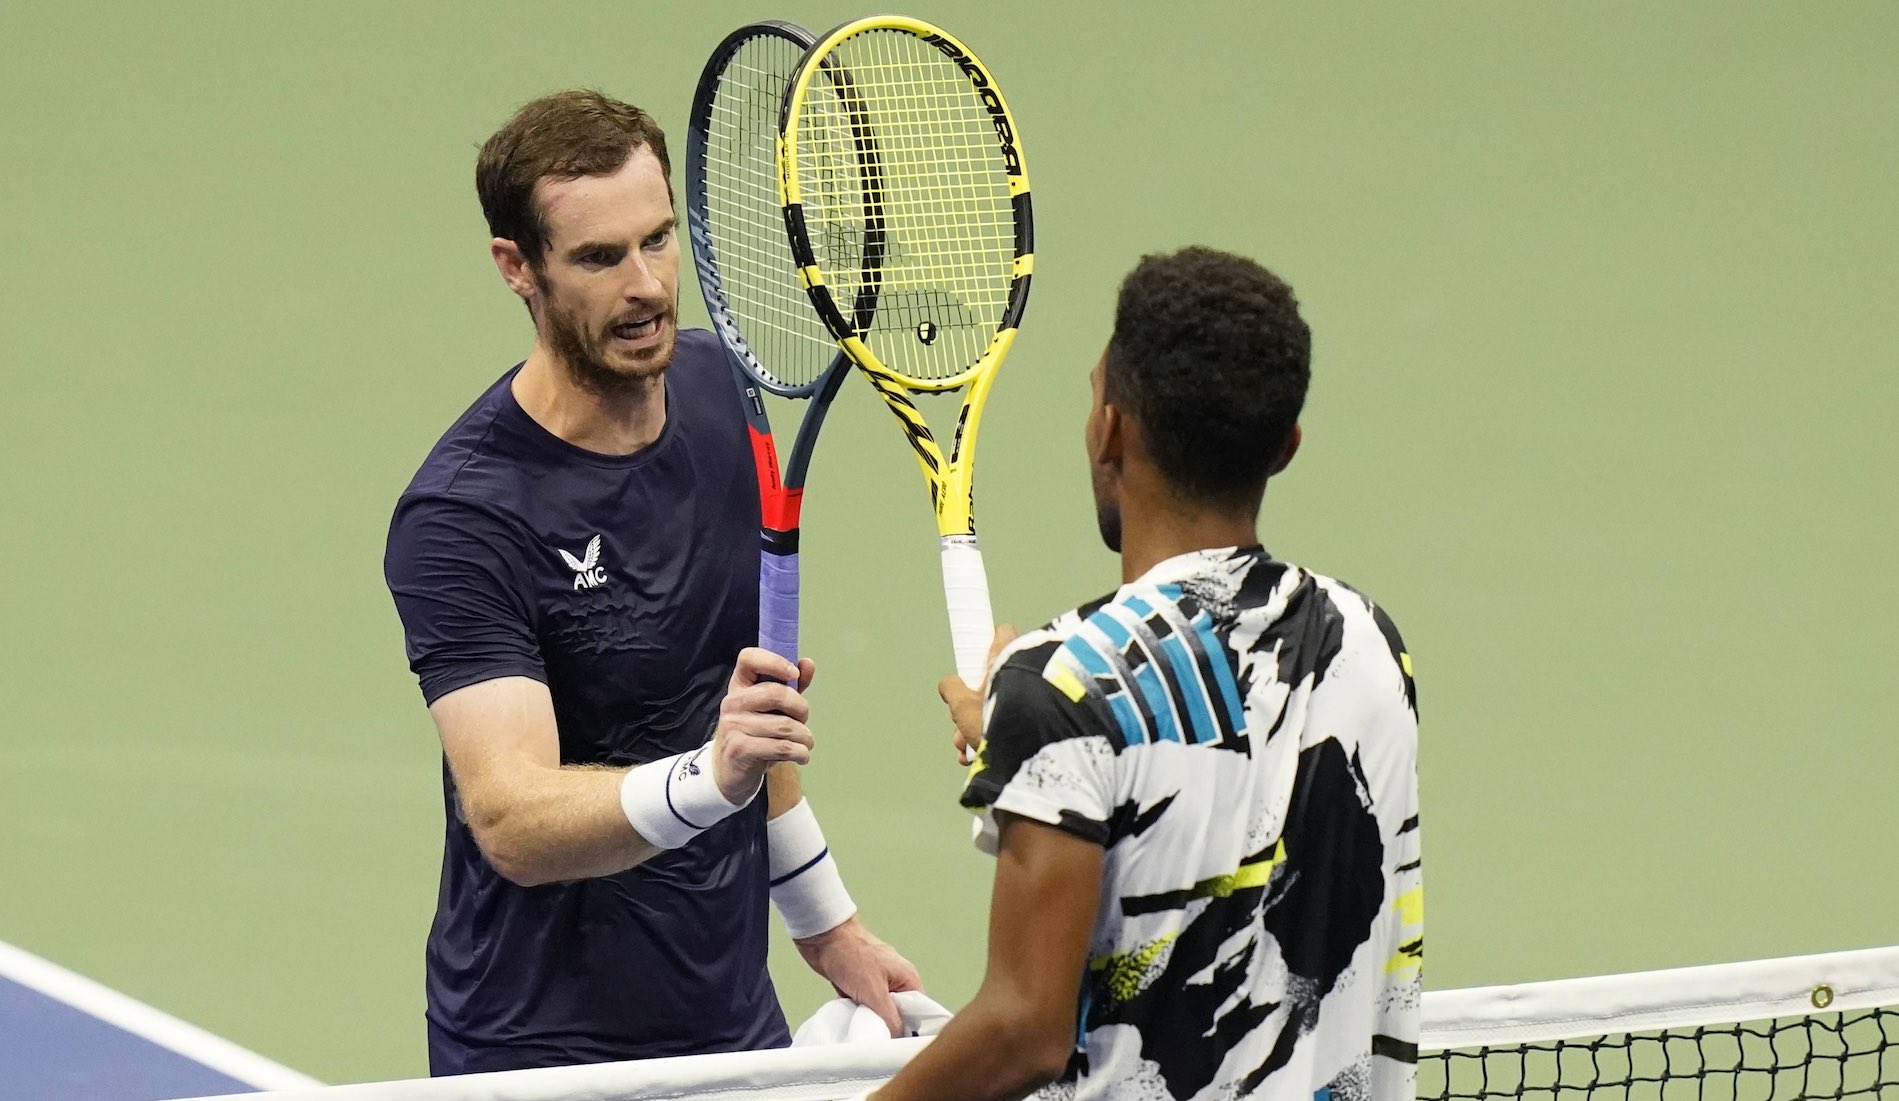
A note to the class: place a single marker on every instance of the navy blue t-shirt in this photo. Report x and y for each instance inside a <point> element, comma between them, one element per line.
<point>628,584</point>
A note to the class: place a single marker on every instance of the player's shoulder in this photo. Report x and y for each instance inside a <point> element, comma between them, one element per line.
<point>1036,709</point>
<point>699,387</point>
<point>1355,603</point>
<point>1368,630</point>
<point>470,483</point>
<point>699,366</point>
<point>470,437</point>
<point>1034,651</point>
<point>698,345</point>
<point>1343,593</point>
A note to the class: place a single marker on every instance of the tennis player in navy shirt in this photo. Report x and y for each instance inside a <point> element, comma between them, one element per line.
<point>576,569</point>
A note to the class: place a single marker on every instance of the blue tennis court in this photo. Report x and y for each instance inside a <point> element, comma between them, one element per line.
<point>65,1037</point>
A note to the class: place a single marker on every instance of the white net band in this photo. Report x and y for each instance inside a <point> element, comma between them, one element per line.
<point>1813,1026</point>
<point>1684,997</point>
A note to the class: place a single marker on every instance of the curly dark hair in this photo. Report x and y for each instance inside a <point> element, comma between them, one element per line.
<point>565,135</point>
<point>1211,357</point>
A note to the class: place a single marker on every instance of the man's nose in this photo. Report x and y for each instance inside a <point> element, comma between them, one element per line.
<point>642,281</point>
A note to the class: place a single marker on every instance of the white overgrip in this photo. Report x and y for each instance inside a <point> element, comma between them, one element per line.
<point>966,593</point>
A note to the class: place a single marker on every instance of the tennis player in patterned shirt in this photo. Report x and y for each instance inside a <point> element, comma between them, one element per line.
<point>1201,789</point>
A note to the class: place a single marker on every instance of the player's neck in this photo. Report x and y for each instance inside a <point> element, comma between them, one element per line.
<point>610,423</point>
<point>1157,525</point>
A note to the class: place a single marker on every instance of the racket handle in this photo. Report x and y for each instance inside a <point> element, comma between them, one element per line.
<point>778,603</point>
<point>966,591</point>
<point>972,624</point>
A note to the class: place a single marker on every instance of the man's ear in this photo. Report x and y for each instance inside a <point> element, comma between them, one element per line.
<point>513,266</point>
<point>1291,449</point>
<point>1110,442</point>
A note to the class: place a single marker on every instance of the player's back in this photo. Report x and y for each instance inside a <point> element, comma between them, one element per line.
<point>1240,735</point>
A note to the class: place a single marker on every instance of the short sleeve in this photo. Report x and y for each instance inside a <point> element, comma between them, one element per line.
<point>455,574</point>
<point>1043,757</point>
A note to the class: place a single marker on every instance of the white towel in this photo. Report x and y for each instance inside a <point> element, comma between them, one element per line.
<point>842,1021</point>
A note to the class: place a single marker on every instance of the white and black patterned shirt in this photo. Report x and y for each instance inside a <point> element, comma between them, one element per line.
<point>1240,735</point>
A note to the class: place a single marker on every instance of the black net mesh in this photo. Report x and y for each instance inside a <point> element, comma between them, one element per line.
<point>1825,1055</point>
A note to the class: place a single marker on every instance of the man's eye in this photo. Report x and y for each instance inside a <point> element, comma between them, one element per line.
<point>658,239</point>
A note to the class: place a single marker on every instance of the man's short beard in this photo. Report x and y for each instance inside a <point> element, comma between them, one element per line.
<point>569,343</point>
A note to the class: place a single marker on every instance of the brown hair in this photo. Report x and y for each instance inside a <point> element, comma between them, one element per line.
<point>565,135</point>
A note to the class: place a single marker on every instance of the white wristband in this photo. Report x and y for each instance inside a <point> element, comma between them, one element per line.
<point>675,799</point>
<point>805,884</point>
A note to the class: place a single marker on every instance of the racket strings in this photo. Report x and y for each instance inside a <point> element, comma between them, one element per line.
<point>764,296</point>
<point>899,152</point>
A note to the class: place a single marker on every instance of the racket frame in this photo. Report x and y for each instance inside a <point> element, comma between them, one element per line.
<point>950,477</point>
<point>780,496</point>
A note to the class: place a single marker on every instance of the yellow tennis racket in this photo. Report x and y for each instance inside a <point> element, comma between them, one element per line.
<point>906,199</point>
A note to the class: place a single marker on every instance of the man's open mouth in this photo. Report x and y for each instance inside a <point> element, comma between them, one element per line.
<point>638,330</point>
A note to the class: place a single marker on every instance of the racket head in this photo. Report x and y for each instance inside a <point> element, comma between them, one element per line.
<point>753,295</point>
<point>906,201</point>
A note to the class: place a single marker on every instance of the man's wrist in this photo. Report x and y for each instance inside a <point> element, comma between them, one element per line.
<point>675,799</point>
<point>806,886</point>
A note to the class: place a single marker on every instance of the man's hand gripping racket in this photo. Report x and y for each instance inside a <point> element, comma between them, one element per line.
<point>966,702</point>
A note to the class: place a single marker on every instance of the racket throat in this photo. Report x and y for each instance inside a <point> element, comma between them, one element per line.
<point>778,542</point>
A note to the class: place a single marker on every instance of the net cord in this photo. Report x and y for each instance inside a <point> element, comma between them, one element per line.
<point>818,1073</point>
<point>1685,997</point>
<point>1570,1009</point>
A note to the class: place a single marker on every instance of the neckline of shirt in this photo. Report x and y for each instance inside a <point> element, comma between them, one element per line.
<point>1182,566</point>
<point>538,434</point>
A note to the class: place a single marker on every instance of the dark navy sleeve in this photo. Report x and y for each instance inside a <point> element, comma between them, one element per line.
<point>455,574</point>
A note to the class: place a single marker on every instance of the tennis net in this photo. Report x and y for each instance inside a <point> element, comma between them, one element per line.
<point>1824,1026</point>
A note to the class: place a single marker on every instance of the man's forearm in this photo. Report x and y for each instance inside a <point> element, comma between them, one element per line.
<point>1019,1032</point>
<point>554,824</point>
<point>985,1054</point>
<point>538,822</point>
